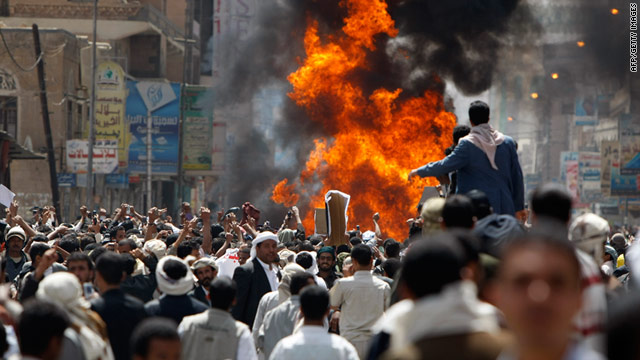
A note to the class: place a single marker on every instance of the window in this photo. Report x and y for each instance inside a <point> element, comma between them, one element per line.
<point>9,115</point>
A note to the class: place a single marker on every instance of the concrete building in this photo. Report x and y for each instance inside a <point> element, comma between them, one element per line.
<point>21,111</point>
<point>556,95</point>
<point>146,38</point>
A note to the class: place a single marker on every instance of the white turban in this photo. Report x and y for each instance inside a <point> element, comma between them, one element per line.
<point>64,289</point>
<point>204,262</point>
<point>136,240</point>
<point>171,286</point>
<point>589,232</point>
<point>262,237</point>
<point>156,247</point>
<point>288,256</point>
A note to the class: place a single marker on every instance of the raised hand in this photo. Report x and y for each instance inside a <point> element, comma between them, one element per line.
<point>94,228</point>
<point>137,253</point>
<point>48,258</point>
<point>192,224</point>
<point>84,211</point>
<point>412,173</point>
<point>13,208</point>
<point>18,219</point>
<point>153,215</point>
<point>205,214</point>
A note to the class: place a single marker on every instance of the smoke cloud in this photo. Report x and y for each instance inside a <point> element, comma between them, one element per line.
<point>455,40</point>
<point>606,37</point>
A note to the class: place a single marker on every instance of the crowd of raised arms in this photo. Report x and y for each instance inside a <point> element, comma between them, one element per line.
<point>478,275</point>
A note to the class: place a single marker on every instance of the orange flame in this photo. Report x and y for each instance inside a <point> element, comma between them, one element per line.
<point>284,193</point>
<point>369,162</point>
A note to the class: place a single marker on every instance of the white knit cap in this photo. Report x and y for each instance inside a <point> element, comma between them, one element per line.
<point>16,231</point>
<point>262,237</point>
<point>170,286</point>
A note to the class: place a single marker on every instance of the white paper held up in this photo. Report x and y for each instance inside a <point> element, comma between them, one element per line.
<point>6,196</point>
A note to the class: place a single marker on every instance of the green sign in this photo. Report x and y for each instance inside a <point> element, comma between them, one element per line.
<point>197,128</point>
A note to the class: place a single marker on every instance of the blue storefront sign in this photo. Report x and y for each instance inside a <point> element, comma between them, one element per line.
<point>163,100</point>
<point>118,181</point>
<point>66,180</point>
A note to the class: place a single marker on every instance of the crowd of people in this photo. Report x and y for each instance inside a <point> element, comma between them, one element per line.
<point>479,275</point>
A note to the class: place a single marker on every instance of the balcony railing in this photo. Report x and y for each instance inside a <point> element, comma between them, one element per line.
<point>132,12</point>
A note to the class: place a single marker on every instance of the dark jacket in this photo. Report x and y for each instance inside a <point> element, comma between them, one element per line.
<point>13,269</point>
<point>504,187</point>
<point>175,307</point>
<point>199,294</point>
<point>252,283</point>
<point>122,313</point>
<point>142,286</point>
<point>331,279</point>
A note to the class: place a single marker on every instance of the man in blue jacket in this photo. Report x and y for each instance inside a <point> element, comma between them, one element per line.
<point>486,160</point>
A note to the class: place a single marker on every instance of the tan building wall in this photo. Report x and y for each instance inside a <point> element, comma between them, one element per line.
<point>176,12</point>
<point>30,178</point>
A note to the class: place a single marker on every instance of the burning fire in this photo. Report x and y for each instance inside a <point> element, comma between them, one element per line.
<point>369,159</point>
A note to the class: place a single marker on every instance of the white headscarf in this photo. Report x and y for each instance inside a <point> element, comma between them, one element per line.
<point>204,262</point>
<point>589,232</point>
<point>284,292</point>
<point>262,237</point>
<point>65,290</point>
<point>288,256</point>
<point>314,265</point>
<point>170,286</point>
<point>487,139</point>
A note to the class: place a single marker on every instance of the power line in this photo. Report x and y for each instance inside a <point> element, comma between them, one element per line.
<point>55,51</point>
<point>30,68</point>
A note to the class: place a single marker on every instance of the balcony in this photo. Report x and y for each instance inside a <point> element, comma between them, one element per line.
<point>115,22</point>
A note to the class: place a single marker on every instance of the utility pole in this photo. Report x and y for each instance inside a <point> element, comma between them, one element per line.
<point>149,154</point>
<point>92,110</point>
<point>187,77</point>
<point>51,157</point>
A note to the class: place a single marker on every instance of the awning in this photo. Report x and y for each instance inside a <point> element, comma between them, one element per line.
<point>17,151</point>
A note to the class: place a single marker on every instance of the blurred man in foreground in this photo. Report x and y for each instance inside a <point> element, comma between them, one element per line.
<point>540,292</point>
